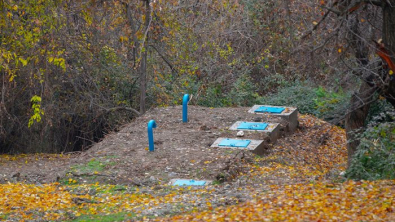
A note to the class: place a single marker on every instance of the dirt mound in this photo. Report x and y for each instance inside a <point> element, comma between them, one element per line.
<point>182,150</point>
<point>313,154</point>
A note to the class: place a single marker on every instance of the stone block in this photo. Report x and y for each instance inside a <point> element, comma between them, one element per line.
<point>290,114</point>
<point>255,146</point>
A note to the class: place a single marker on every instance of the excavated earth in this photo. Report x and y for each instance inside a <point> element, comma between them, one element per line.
<point>182,150</point>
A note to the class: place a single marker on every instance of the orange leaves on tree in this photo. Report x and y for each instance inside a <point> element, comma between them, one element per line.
<point>383,53</point>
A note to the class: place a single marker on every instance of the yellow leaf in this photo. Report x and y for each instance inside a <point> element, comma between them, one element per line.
<point>391,72</point>
<point>23,61</point>
<point>12,77</point>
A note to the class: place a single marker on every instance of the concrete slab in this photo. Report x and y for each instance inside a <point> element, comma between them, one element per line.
<point>272,130</point>
<point>189,182</point>
<point>255,146</point>
<point>290,114</point>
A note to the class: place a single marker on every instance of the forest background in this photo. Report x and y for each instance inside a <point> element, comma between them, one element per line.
<point>73,71</point>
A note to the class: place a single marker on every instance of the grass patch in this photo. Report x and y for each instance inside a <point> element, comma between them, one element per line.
<point>91,166</point>
<point>116,189</point>
<point>4,216</point>
<point>105,218</point>
<point>89,172</point>
<point>111,157</point>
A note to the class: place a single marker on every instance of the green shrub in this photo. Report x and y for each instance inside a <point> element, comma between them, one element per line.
<point>380,111</point>
<point>331,105</point>
<point>271,82</point>
<point>213,96</point>
<point>375,156</point>
<point>243,92</point>
<point>320,102</point>
<point>300,95</point>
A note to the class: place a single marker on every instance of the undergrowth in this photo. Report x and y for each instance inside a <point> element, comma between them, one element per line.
<point>375,156</point>
<point>324,103</point>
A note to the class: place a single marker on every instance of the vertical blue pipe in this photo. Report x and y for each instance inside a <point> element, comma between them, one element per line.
<point>151,124</point>
<point>185,101</point>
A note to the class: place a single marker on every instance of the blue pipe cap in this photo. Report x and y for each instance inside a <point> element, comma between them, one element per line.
<point>185,99</point>
<point>152,124</point>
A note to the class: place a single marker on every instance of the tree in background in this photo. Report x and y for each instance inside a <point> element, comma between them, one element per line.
<point>62,63</point>
<point>362,24</point>
<point>83,68</point>
<point>30,54</point>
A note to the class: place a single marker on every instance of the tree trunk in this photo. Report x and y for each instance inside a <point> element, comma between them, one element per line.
<point>360,101</point>
<point>389,42</point>
<point>143,81</point>
<point>132,53</point>
<point>389,26</point>
<point>289,22</point>
<point>355,119</point>
<point>143,65</point>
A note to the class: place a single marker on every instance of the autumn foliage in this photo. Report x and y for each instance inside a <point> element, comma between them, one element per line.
<point>72,72</point>
<point>81,61</point>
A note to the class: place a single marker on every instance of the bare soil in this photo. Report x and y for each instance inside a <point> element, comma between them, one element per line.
<point>182,150</point>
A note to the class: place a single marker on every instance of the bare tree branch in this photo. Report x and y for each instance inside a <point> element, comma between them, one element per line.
<point>164,58</point>
<point>114,109</point>
<point>316,25</point>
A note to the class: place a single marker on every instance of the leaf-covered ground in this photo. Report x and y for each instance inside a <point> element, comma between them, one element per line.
<point>299,180</point>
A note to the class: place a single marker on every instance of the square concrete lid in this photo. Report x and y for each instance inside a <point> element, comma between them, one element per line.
<point>286,112</point>
<point>252,126</point>
<point>189,182</point>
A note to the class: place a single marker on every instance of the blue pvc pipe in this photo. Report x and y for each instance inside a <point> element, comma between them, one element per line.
<point>185,101</point>
<point>151,124</point>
